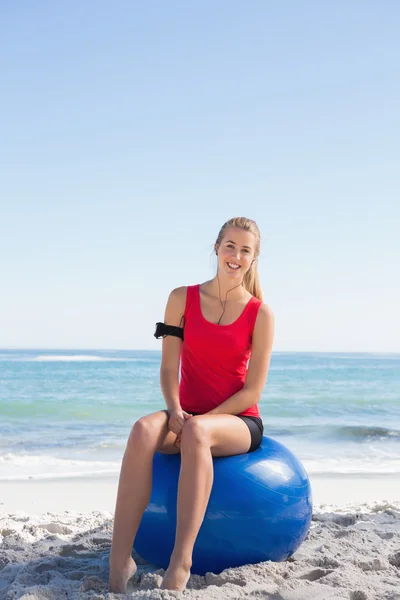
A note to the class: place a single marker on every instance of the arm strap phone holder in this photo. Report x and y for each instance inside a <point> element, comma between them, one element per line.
<point>163,330</point>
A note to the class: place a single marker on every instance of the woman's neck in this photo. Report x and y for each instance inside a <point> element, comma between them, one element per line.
<point>222,288</point>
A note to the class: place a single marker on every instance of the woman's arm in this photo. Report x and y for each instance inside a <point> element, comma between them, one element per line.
<point>263,337</point>
<point>171,349</point>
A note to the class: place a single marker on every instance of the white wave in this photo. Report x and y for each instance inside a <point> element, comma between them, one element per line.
<point>325,466</point>
<point>330,367</point>
<point>70,357</point>
<point>17,467</point>
<point>14,467</point>
<point>81,358</point>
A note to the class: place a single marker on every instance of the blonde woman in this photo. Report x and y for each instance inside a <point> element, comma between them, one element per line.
<point>219,334</point>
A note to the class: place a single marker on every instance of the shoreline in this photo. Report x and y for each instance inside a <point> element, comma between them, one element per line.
<point>98,493</point>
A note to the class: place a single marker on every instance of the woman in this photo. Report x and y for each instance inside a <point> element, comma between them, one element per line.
<point>212,411</point>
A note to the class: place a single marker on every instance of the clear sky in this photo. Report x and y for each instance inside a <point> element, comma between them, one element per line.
<point>130,131</point>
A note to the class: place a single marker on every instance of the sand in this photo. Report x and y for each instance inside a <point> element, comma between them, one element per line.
<point>352,550</point>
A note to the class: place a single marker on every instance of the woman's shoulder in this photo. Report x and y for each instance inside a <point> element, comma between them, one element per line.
<point>179,295</point>
<point>265,315</point>
<point>175,308</point>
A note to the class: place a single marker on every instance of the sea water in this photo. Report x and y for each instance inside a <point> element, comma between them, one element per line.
<point>68,413</point>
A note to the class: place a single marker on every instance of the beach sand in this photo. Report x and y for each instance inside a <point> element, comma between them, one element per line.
<point>55,539</point>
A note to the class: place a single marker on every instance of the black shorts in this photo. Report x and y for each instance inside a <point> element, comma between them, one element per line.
<point>255,426</point>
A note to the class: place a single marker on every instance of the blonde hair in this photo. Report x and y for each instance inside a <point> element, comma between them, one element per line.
<point>251,280</point>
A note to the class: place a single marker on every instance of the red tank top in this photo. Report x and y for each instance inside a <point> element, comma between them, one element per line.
<point>214,357</point>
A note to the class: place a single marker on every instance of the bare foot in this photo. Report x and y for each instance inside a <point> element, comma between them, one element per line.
<point>119,576</point>
<point>176,578</point>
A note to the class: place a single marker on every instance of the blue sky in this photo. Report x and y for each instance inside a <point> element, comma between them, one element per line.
<point>131,131</point>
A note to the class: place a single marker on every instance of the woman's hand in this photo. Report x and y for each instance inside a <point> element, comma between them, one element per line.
<point>177,420</point>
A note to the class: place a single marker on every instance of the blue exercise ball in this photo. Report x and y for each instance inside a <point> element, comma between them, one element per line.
<point>260,508</point>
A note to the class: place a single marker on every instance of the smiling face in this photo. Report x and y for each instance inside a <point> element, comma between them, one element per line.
<point>236,252</point>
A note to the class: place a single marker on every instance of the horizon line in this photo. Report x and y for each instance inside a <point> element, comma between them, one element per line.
<point>71,349</point>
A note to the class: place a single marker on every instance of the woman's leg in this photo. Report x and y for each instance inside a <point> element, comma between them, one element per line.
<point>148,435</point>
<point>202,437</point>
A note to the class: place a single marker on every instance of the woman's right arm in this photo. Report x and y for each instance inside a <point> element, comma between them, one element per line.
<point>171,354</point>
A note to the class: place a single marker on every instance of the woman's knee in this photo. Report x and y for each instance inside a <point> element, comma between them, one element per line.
<point>195,432</point>
<point>146,431</point>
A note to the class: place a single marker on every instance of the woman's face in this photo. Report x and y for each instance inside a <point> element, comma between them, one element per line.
<point>236,252</point>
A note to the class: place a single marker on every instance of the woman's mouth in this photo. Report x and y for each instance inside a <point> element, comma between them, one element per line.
<point>233,266</point>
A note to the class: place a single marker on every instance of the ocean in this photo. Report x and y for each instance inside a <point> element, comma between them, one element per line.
<point>67,413</point>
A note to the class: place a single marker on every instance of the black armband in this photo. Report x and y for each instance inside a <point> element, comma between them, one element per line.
<point>162,330</point>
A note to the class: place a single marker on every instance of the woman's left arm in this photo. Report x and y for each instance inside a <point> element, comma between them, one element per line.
<point>261,350</point>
